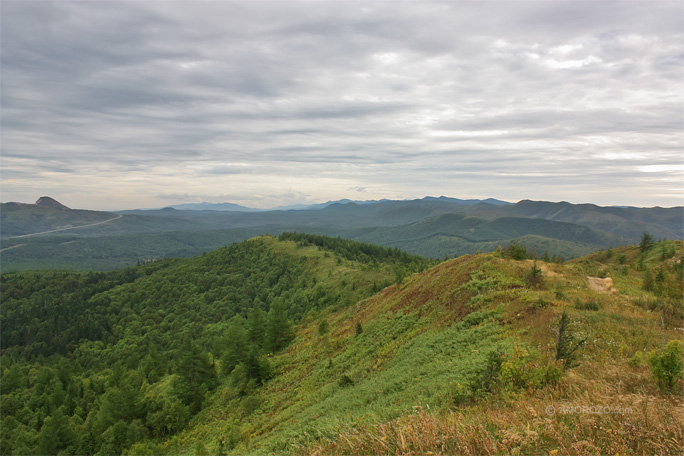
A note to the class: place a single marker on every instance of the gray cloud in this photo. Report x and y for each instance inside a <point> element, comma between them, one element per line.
<point>104,103</point>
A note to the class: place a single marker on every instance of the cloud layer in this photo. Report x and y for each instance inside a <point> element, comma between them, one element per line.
<point>128,104</point>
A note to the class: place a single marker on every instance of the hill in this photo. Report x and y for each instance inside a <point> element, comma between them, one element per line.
<point>46,215</point>
<point>200,355</point>
<point>460,234</point>
<point>627,222</point>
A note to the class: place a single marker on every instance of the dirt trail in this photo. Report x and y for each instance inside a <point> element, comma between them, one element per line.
<point>601,285</point>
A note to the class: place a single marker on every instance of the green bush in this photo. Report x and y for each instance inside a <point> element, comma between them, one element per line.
<point>345,380</point>
<point>589,305</point>
<point>667,366</point>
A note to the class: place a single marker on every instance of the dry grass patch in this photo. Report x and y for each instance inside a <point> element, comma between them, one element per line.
<point>539,424</point>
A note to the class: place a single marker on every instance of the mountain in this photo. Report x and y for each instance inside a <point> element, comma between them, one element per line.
<point>308,344</point>
<point>468,202</point>
<point>460,234</point>
<point>214,207</point>
<point>47,202</point>
<point>45,215</point>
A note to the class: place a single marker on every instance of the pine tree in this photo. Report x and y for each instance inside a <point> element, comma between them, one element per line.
<point>236,345</point>
<point>55,434</point>
<point>256,326</point>
<point>646,242</point>
<point>566,343</point>
<point>279,329</point>
<point>196,376</point>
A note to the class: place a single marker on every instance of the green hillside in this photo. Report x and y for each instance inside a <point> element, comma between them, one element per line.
<point>90,357</point>
<point>315,345</point>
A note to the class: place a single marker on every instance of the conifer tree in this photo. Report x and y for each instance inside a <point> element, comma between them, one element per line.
<point>567,344</point>
<point>256,326</point>
<point>196,376</point>
<point>279,329</point>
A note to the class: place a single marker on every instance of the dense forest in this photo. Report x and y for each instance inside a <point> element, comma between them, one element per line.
<point>95,362</point>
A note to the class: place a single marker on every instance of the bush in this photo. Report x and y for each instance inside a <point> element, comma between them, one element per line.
<point>589,305</point>
<point>516,251</point>
<point>345,381</point>
<point>323,327</point>
<point>667,365</point>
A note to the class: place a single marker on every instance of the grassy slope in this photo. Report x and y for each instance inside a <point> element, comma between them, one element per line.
<point>424,339</point>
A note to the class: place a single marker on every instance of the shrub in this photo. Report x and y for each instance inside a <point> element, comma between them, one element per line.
<point>560,292</point>
<point>534,276</point>
<point>514,369</point>
<point>345,381</point>
<point>589,305</point>
<point>667,365</point>
<point>648,280</point>
<point>323,327</point>
<point>516,251</point>
<point>540,304</point>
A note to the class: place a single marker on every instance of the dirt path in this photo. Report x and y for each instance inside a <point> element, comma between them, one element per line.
<point>601,285</point>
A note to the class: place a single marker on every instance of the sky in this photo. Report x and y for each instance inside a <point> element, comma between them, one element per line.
<point>119,105</point>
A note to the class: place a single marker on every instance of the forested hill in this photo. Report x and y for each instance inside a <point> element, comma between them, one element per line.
<point>305,344</point>
<point>94,362</point>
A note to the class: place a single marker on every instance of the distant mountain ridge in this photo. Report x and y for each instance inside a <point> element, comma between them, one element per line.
<point>305,207</point>
<point>213,207</point>
<point>432,226</point>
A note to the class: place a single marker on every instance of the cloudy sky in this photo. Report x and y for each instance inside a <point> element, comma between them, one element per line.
<point>113,105</point>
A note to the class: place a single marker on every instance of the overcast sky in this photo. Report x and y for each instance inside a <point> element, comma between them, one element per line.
<point>113,105</point>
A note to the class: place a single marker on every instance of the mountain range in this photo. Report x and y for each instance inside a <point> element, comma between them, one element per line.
<point>48,234</point>
<point>299,207</point>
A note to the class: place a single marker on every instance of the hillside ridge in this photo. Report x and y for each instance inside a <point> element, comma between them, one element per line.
<point>307,344</point>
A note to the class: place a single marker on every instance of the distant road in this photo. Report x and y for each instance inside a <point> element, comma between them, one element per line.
<point>64,229</point>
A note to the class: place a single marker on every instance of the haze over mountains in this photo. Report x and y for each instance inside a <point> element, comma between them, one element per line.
<point>49,234</point>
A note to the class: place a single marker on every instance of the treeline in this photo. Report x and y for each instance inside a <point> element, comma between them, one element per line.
<point>356,251</point>
<point>98,363</point>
